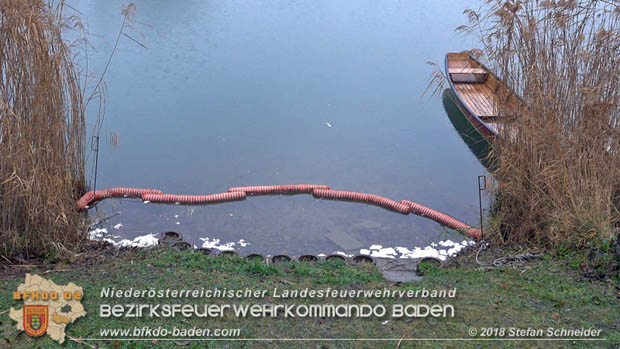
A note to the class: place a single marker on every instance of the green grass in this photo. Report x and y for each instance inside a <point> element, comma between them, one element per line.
<point>549,294</point>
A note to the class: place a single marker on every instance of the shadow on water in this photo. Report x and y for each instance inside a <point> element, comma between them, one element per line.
<point>472,138</point>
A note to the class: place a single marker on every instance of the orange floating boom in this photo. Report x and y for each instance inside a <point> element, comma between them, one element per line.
<point>279,189</point>
<point>317,190</point>
<point>194,199</point>
<point>362,197</point>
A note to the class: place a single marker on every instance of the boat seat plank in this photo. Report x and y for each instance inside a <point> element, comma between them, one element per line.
<point>466,70</point>
<point>468,78</point>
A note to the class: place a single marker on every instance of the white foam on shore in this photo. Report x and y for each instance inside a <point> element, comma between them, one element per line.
<point>441,250</point>
<point>215,244</point>
<point>101,234</point>
<point>141,241</point>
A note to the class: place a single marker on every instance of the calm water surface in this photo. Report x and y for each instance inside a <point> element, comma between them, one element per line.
<point>233,93</point>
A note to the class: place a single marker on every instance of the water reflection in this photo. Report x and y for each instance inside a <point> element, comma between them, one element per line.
<point>472,138</point>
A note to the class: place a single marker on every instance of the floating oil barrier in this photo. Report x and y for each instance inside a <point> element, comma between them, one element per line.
<point>361,197</point>
<point>90,197</point>
<point>131,192</point>
<point>279,189</point>
<point>194,199</point>
<point>317,190</point>
<point>443,218</point>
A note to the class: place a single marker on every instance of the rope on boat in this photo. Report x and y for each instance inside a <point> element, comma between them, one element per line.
<point>318,191</point>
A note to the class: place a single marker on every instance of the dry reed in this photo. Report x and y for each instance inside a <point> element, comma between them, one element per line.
<point>42,132</point>
<point>558,158</point>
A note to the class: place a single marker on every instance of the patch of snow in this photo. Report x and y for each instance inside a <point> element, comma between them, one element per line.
<point>97,233</point>
<point>102,234</point>
<point>118,226</point>
<point>215,244</point>
<point>141,241</point>
<point>382,252</point>
<point>446,243</point>
<point>441,250</point>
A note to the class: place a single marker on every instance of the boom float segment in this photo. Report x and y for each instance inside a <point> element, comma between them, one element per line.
<point>318,191</point>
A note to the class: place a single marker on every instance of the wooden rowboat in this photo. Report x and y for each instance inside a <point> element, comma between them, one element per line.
<point>477,93</point>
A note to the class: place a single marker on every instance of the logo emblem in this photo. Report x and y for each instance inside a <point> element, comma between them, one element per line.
<point>36,319</point>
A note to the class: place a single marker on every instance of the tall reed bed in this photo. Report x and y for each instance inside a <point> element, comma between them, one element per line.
<point>42,132</point>
<point>558,159</point>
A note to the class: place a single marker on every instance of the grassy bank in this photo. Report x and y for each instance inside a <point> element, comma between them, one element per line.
<point>550,293</point>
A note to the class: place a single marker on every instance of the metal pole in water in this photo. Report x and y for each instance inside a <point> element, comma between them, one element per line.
<point>94,145</point>
<point>481,186</point>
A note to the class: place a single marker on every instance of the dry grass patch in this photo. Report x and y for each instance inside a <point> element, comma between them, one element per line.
<point>558,159</point>
<point>42,132</point>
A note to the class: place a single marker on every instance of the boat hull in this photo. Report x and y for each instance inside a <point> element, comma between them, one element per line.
<point>483,129</point>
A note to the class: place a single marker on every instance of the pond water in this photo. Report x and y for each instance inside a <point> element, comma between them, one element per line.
<point>235,93</point>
